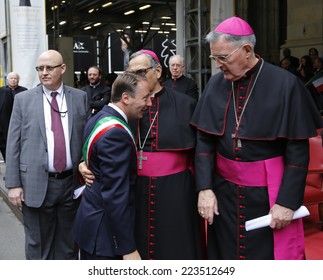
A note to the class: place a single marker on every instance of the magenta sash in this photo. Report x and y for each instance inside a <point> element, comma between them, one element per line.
<point>163,163</point>
<point>289,241</point>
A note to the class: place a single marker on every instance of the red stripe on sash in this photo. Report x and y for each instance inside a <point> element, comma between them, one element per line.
<point>97,137</point>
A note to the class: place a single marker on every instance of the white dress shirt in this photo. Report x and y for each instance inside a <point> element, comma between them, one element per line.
<point>61,101</point>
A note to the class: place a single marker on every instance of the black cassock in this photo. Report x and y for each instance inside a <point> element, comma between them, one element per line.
<point>167,221</point>
<point>277,121</point>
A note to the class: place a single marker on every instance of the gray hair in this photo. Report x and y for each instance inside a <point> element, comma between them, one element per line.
<point>177,56</point>
<point>213,37</point>
<point>13,73</point>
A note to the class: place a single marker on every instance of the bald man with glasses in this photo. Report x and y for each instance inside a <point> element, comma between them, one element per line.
<point>43,152</point>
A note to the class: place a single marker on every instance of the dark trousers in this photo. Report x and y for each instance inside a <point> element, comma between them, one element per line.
<point>48,229</point>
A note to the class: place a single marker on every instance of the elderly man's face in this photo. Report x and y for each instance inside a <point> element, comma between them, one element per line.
<point>141,63</point>
<point>176,68</point>
<point>235,63</point>
<point>13,80</point>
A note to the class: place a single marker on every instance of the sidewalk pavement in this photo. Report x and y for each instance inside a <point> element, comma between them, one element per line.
<point>12,237</point>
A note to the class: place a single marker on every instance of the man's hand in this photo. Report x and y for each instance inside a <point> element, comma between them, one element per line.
<point>86,174</point>
<point>132,256</point>
<point>207,205</point>
<point>16,196</point>
<point>281,216</point>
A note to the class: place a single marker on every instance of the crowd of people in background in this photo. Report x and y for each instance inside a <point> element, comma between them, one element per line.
<point>308,67</point>
<point>166,168</point>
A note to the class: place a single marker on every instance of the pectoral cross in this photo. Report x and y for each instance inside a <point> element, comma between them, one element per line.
<point>141,158</point>
<point>239,145</point>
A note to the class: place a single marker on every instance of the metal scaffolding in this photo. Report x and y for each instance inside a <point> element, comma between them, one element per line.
<point>196,51</point>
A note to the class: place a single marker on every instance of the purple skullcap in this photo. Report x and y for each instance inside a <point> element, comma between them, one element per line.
<point>234,26</point>
<point>150,53</point>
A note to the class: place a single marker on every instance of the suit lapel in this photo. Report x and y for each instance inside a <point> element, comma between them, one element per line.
<point>69,104</point>
<point>39,103</point>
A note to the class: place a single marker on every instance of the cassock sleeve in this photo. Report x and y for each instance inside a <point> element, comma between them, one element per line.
<point>204,160</point>
<point>291,191</point>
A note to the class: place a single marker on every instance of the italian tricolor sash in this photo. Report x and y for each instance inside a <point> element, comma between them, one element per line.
<point>102,126</point>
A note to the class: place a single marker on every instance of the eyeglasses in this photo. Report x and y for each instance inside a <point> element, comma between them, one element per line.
<point>48,68</point>
<point>141,72</point>
<point>224,58</point>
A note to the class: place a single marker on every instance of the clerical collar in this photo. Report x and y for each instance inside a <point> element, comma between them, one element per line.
<point>177,78</point>
<point>253,70</point>
<point>48,91</point>
<point>115,107</point>
<point>159,93</point>
<point>94,86</point>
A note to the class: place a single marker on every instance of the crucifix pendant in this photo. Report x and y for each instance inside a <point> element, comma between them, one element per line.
<point>239,145</point>
<point>140,159</point>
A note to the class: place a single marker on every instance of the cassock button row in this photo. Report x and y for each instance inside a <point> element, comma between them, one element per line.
<point>242,197</point>
<point>152,219</point>
<point>241,236</point>
<point>242,217</point>
<point>241,97</point>
<point>242,247</point>
<point>242,206</point>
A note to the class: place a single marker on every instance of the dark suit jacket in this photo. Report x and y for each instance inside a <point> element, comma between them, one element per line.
<point>27,157</point>
<point>104,222</point>
<point>6,103</point>
<point>98,96</point>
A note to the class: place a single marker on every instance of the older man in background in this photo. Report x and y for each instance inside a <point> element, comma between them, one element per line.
<point>179,82</point>
<point>13,84</point>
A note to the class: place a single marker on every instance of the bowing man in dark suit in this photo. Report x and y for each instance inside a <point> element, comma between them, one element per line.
<point>104,226</point>
<point>43,151</point>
